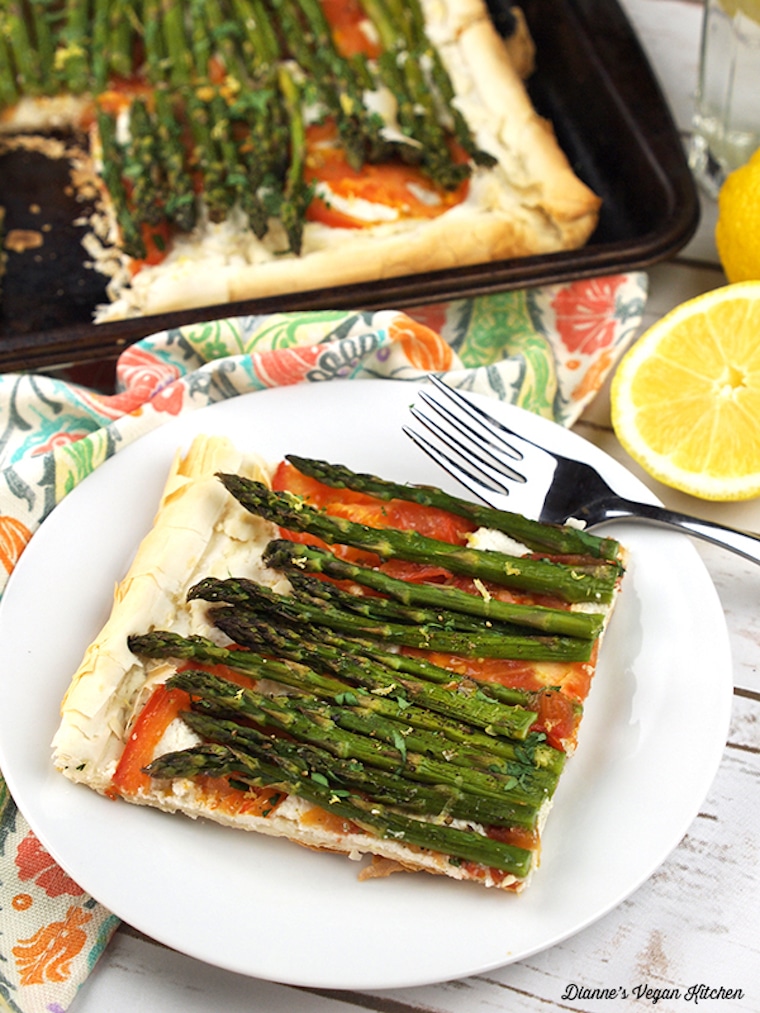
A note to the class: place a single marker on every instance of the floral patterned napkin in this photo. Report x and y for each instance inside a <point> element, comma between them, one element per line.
<point>547,349</point>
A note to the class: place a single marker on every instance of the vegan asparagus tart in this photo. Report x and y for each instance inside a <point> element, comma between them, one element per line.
<point>364,667</point>
<point>250,148</point>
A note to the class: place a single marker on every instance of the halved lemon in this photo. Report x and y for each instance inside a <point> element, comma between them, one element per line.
<point>686,396</point>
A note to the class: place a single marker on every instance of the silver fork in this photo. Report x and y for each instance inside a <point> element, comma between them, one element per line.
<point>510,472</point>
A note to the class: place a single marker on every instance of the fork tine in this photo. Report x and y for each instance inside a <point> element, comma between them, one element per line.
<point>475,450</point>
<point>488,423</point>
<point>474,428</point>
<point>517,445</point>
<point>474,422</point>
<point>484,488</point>
<point>487,457</point>
<point>465,459</point>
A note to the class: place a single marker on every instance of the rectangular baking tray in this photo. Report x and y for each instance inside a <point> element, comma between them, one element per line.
<point>592,81</point>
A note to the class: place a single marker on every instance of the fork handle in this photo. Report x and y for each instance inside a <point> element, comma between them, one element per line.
<point>744,543</point>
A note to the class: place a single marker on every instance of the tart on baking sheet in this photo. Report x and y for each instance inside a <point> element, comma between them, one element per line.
<point>258,147</point>
<point>378,670</point>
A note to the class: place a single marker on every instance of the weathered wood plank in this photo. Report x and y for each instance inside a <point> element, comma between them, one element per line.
<point>737,582</point>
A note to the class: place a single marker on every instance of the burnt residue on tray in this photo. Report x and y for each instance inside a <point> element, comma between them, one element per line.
<point>49,279</point>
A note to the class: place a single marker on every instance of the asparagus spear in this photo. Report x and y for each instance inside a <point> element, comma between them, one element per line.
<point>488,733</point>
<point>342,652</point>
<point>571,583</point>
<point>500,719</point>
<point>166,644</point>
<point>412,151</point>
<point>179,196</point>
<point>371,816</point>
<point>297,193</point>
<point>400,67</point>
<point>485,644</point>
<point>389,788</point>
<point>360,129</point>
<point>176,43</point>
<point>427,144</point>
<point>235,175</point>
<point>373,607</point>
<point>113,170</point>
<point>309,721</point>
<point>143,165</point>
<point>405,699</point>
<point>252,40</point>
<point>258,108</point>
<point>261,44</point>
<point>313,59</point>
<point>206,117</point>
<point>227,36</point>
<point>43,18</point>
<point>262,165</point>
<point>431,77</point>
<point>206,157</point>
<point>8,84</point>
<point>156,61</point>
<point>180,202</point>
<point>534,748</point>
<point>437,160</point>
<point>123,24</point>
<point>216,38</point>
<point>100,22</point>
<point>400,663</point>
<point>536,535</point>
<point>532,788</point>
<point>281,554</point>
<point>440,78</point>
<point>13,25</point>
<point>73,52</point>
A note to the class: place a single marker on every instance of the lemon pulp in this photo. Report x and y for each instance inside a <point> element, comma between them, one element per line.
<point>686,397</point>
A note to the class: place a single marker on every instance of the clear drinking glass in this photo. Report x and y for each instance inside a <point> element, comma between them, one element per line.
<point>726,124</point>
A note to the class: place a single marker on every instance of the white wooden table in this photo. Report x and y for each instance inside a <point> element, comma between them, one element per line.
<point>696,920</point>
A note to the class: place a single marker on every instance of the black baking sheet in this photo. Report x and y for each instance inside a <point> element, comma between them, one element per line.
<point>593,82</point>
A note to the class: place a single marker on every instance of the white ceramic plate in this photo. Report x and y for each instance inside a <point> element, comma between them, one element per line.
<point>651,740</point>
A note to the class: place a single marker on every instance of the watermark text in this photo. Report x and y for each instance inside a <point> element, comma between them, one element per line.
<point>649,994</point>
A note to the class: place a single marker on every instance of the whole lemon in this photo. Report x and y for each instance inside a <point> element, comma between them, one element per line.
<point>749,7</point>
<point>737,232</point>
